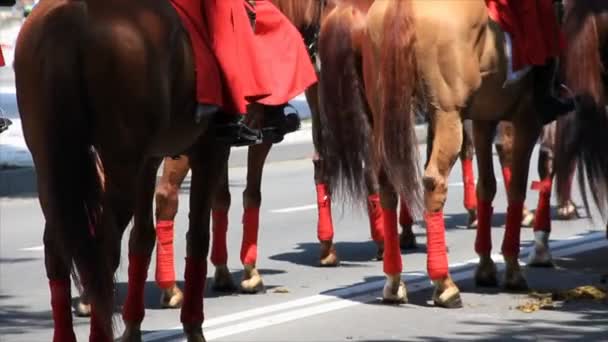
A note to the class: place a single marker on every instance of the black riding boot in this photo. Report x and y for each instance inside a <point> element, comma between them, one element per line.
<point>546,102</point>
<point>232,130</point>
<point>4,124</point>
<point>277,123</point>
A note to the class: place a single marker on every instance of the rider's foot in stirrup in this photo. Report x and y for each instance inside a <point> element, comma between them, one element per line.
<point>278,122</point>
<point>232,130</point>
<point>4,124</point>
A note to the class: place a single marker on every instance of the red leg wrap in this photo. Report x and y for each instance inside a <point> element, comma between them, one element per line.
<point>405,217</point>
<point>194,287</point>
<point>483,240</point>
<point>506,175</point>
<point>97,332</point>
<point>437,258</point>
<point>510,244</point>
<point>165,271</point>
<point>470,196</point>
<point>393,263</point>
<point>133,309</point>
<point>249,247</point>
<point>542,219</point>
<point>376,219</point>
<point>325,226</point>
<point>62,310</point>
<point>219,251</point>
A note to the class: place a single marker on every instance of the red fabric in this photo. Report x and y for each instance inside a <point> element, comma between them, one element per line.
<point>270,66</point>
<point>133,310</point>
<point>195,277</point>
<point>468,177</point>
<point>506,175</point>
<point>2,62</point>
<point>219,251</point>
<point>483,239</point>
<point>325,226</point>
<point>249,246</point>
<point>376,219</point>
<point>436,257</point>
<point>510,243</point>
<point>165,271</point>
<point>405,217</point>
<point>392,261</point>
<point>542,218</point>
<point>61,301</point>
<point>533,27</point>
<point>97,333</point>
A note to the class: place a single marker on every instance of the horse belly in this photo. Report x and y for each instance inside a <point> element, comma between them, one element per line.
<point>177,138</point>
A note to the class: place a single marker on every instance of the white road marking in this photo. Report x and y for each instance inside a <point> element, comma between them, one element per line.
<point>33,249</point>
<point>361,294</point>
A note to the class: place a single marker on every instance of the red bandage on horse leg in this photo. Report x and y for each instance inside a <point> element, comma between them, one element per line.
<point>510,244</point>
<point>506,175</point>
<point>392,252</point>
<point>542,218</point>
<point>483,240</point>
<point>133,310</point>
<point>165,271</point>
<point>97,332</point>
<point>219,251</point>
<point>405,216</point>
<point>194,287</point>
<point>436,257</point>
<point>249,247</point>
<point>325,226</point>
<point>61,304</point>
<point>376,218</point>
<point>468,177</point>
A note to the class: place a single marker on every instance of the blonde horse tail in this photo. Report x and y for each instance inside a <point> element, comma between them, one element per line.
<point>394,123</point>
<point>344,120</point>
<point>581,137</point>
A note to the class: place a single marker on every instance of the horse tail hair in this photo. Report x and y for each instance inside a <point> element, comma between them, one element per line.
<point>394,123</point>
<point>581,136</point>
<point>75,174</point>
<point>344,120</point>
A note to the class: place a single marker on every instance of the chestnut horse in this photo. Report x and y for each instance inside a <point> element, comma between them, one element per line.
<point>378,64</point>
<point>114,79</point>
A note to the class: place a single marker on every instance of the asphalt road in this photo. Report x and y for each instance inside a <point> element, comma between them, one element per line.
<point>321,304</point>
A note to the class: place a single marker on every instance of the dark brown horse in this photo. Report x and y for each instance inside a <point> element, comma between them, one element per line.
<point>580,138</point>
<point>115,78</point>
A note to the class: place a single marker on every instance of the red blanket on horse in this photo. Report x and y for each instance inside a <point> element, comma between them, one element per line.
<point>1,57</point>
<point>270,66</point>
<point>534,29</point>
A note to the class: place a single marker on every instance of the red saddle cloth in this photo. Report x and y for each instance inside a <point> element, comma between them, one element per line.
<point>1,58</point>
<point>533,27</point>
<point>270,65</point>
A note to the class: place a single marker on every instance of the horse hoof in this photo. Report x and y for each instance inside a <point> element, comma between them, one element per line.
<point>515,281</point>
<point>83,309</point>
<point>567,211</point>
<point>222,281</point>
<point>407,241</point>
<point>472,224</point>
<point>171,298</point>
<point>194,334</point>
<point>329,255</point>
<point>132,333</point>
<point>380,251</point>
<point>527,218</point>
<point>448,298</point>
<point>252,281</point>
<point>394,292</point>
<point>541,255</point>
<point>486,274</point>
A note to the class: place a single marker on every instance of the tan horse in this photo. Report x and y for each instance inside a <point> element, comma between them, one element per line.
<point>449,57</point>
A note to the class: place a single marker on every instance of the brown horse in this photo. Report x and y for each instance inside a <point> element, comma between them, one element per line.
<point>580,138</point>
<point>117,78</point>
<point>449,57</point>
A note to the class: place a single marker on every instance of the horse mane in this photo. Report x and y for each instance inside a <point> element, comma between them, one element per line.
<point>302,13</point>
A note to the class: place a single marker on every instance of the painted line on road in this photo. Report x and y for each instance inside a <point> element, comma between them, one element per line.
<point>33,249</point>
<point>362,293</point>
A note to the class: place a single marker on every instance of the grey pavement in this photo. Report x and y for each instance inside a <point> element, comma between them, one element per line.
<point>320,304</point>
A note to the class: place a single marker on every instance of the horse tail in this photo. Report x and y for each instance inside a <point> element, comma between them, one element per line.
<point>75,174</point>
<point>394,123</point>
<point>344,120</point>
<point>581,136</point>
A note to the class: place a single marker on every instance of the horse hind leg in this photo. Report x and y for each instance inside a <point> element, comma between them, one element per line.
<point>446,146</point>
<point>167,197</point>
<point>467,152</point>
<point>328,255</point>
<point>375,212</point>
<point>252,200</point>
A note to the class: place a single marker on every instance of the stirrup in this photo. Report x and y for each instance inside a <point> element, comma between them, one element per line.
<point>512,76</point>
<point>238,134</point>
<point>5,124</point>
<point>275,132</point>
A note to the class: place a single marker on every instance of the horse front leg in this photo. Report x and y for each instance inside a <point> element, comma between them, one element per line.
<point>252,200</point>
<point>207,161</point>
<point>167,201</point>
<point>446,146</point>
